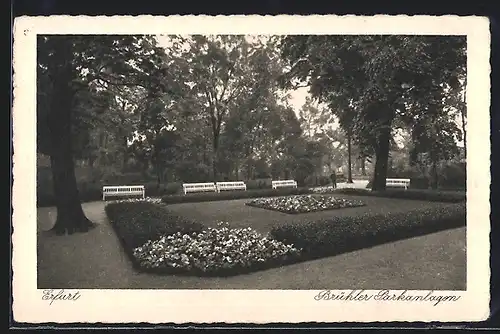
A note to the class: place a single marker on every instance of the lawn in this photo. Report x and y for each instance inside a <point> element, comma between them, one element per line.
<point>241,216</point>
<point>226,238</point>
<point>431,262</point>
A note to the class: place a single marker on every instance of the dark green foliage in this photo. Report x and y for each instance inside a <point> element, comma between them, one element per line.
<point>137,222</point>
<point>317,181</point>
<point>337,235</point>
<point>453,176</point>
<point>259,184</point>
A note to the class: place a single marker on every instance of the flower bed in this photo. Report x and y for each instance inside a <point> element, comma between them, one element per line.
<point>323,190</point>
<point>304,203</point>
<point>214,251</point>
<point>158,241</point>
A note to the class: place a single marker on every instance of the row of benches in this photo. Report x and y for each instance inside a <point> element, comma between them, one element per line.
<point>191,187</point>
<point>234,185</point>
<point>218,187</point>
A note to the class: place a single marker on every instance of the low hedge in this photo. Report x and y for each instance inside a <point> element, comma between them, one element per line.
<point>154,238</point>
<point>235,194</point>
<point>423,183</point>
<point>340,234</point>
<point>137,222</point>
<point>411,194</point>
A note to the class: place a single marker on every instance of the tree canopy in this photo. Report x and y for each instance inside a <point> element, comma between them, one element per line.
<point>376,84</point>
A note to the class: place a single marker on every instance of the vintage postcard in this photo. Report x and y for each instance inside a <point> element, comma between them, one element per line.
<point>251,169</point>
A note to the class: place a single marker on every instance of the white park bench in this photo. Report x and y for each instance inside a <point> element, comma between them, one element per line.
<point>235,185</point>
<point>198,187</point>
<point>283,184</point>
<point>122,191</point>
<point>403,183</point>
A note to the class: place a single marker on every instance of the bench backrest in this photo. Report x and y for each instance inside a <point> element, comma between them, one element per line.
<point>207,185</point>
<point>398,181</point>
<point>284,182</point>
<point>231,184</point>
<point>119,189</point>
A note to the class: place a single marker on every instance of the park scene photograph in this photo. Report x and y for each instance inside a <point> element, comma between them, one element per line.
<point>291,162</point>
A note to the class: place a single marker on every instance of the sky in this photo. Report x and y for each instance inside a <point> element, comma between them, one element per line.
<point>298,97</point>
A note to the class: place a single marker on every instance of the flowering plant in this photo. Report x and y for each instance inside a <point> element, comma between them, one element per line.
<point>213,251</point>
<point>154,200</point>
<point>323,190</point>
<point>304,203</point>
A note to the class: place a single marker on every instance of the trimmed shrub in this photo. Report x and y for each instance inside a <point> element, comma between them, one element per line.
<point>453,176</point>
<point>419,183</point>
<point>173,188</point>
<point>230,195</point>
<point>259,184</point>
<point>314,181</point>
<point>337,234</point>
<point>120,179</point>
<point>137,222</point>
<point>411,194</point>
<point>415,183</point>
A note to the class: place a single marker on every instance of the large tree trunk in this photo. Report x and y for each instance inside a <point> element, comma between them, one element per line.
<point>349,161</point>
<point>382,158</point>
<point>70,216</point>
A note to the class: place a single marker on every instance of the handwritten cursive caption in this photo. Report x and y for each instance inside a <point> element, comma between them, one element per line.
<point>385,295</point>
<point>60,294</point>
